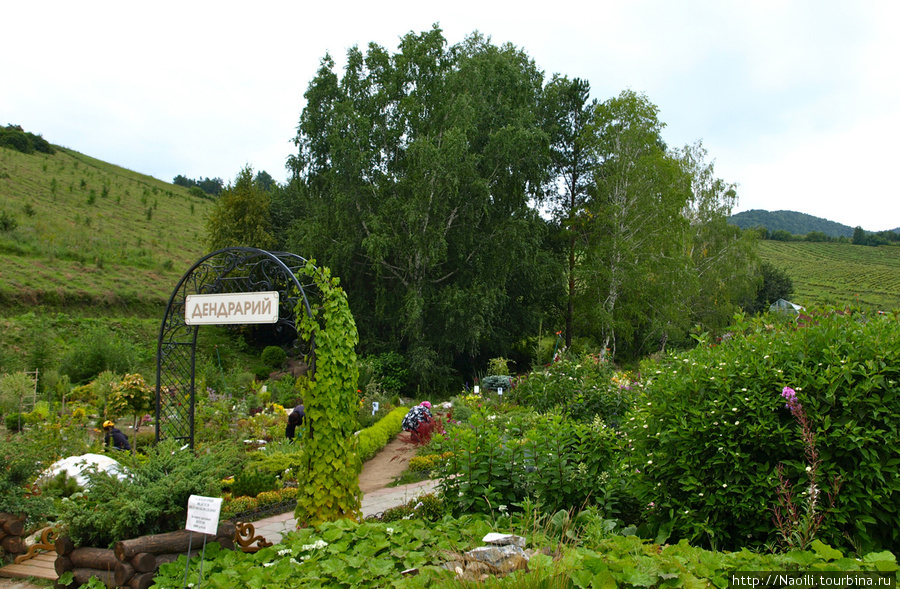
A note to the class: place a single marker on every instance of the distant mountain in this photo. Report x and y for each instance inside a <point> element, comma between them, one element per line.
<point>790,221</point>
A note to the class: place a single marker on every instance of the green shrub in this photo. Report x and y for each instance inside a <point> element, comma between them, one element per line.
<point>14,386</point>
<point>40,413</point>
<point>427,462</point>
<point>582,389</point>
<point>60,486</point>
<point>499,366</point>
<point>268,498</point>
<point>496,381</point>
<point>427,507</point>
<point>21,460</point>
<point>8,222</point>
<point>460,412</point>
<point>261,370</point>
<point>237,505</point>
<point>373,439</point>
<point>713,428</point>
<point>98,351</point>
<point>503,460</point>
<point>391,370</point>
<point>251,483</point>
<point>15,421</point>
<point>17,140</point>
<point>273,356</point>
<point>152,500</point>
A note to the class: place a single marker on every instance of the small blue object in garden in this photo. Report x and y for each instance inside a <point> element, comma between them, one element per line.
<point>374,407</point>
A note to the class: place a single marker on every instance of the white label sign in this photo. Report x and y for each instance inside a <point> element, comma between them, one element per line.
<point>203,514</point>
<point>229,308</point>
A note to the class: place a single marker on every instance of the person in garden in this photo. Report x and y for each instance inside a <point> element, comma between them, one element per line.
<point>119,440</point>
<point>295,418</point>
<point>418,421</point>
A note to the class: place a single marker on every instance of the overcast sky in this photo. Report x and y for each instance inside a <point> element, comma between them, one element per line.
<point>797,102</point>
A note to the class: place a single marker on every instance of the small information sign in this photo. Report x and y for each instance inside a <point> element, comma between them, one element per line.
<point>203,514</point>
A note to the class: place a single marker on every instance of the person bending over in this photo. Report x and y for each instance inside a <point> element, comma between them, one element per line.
<point>295,418</point>
<point>118,439</point>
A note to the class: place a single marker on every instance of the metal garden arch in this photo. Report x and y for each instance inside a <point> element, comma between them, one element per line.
<point>226,271</point>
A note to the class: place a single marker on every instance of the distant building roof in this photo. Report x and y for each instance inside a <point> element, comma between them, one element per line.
<point>783,305</point>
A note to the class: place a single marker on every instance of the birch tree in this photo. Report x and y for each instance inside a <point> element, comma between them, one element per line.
<point>723,257</point>
<point>634,268</point>
<point>418,167</point>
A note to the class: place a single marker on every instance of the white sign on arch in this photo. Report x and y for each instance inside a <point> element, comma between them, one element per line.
<point>230,308</point>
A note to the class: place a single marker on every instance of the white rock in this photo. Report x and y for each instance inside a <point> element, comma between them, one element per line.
<point>76,466</point>
<point>504,540</point>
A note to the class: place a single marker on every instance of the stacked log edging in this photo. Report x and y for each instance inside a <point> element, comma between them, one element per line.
<point>133,563</point>
<point>12,528</point>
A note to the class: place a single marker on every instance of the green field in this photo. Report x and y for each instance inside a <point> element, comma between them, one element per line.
<point>91,236</point>
<point>839,274</point>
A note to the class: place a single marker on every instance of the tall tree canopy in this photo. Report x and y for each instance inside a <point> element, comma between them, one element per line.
<point>240,216</point>
<point>418,177</point>
<point>417,171</point>
<point>568,119</point>
<point>631,264</point>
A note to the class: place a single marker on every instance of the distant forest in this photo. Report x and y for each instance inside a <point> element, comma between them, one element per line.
<point>791,225</point>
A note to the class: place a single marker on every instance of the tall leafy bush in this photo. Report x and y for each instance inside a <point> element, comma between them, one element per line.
<point>713,428</point>
<point>582,389</point>
<point>544,458</point>
<point>328,484</point>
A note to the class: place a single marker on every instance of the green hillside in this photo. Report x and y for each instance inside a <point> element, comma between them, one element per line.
<point>80,234</point>
<point>790,221</point>
<point>839,274</point>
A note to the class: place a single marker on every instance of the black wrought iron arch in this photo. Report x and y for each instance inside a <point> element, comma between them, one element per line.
<point>228,270</point>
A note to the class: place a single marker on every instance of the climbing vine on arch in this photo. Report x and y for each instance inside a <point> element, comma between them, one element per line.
<point>329,474</point>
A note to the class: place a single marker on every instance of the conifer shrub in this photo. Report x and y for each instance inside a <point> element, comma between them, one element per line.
<point>252,483</point>
<point>153,497</point>
<point>713,428</point>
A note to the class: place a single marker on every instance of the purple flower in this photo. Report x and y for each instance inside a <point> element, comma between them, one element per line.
<point>791,396</point>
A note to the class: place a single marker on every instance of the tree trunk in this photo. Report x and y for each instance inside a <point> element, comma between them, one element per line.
<point>12,525</point>
<point>83,576</point>
<point>13,544</point>
<point>62,564</point>
<point>144,562</point>
<point>64,545</point>
<point>170,542</point>
<point>141,581</point>
<point>101,559</point>
<point>124,572</point>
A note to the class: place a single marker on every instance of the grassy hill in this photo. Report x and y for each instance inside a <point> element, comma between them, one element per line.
<point>839,274</point>
<point>83,235</point>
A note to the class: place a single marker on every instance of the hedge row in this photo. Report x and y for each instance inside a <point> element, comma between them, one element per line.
<point>374,438</point>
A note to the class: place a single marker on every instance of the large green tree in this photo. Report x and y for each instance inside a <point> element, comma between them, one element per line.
<point>240,216</point>
<point>567,117</point>
<point>417,169</point>
<point>723,257</point>
<point>633,270</point>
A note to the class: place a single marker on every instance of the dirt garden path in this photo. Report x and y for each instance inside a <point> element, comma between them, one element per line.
<point>387,465</point>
